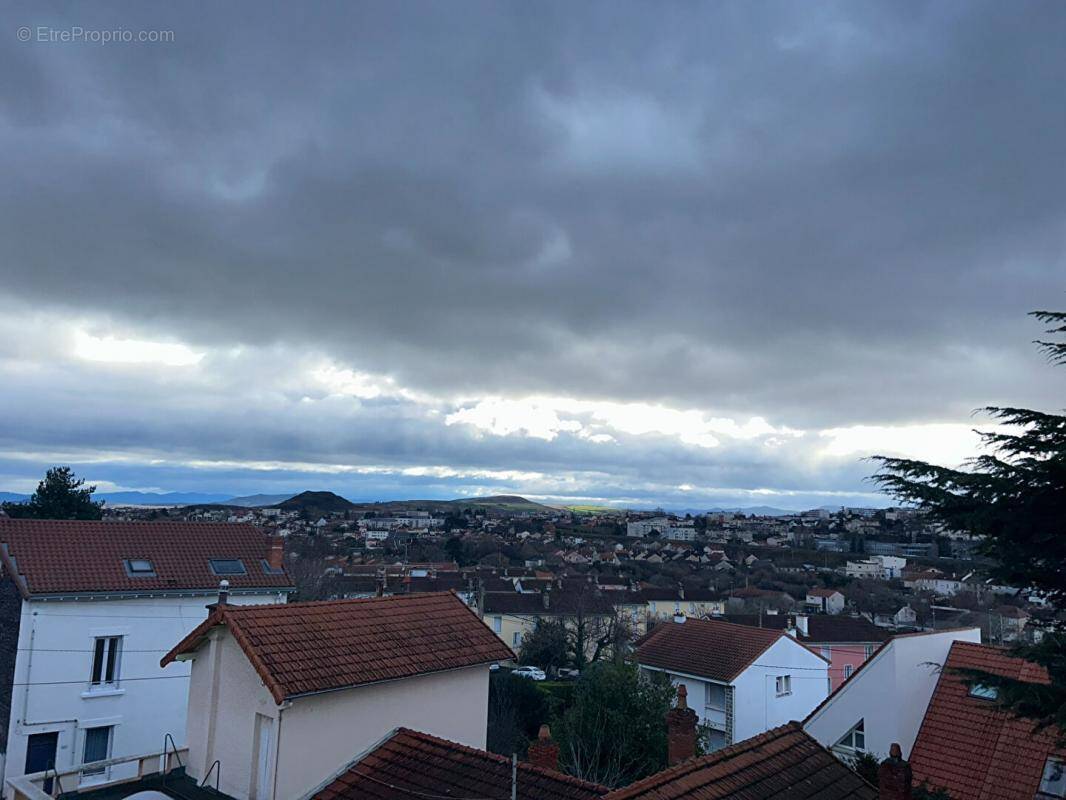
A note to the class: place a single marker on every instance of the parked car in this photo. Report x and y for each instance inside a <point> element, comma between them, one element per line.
<point>533,673</point>
<point>566,674</point>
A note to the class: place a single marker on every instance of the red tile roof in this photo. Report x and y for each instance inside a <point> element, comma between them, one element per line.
<point>410,764</point>
<point>301,648</point>
<point>704,647</point>
<point>54,557</point>
<point>782,763</point>
<point>821,628</point>
<point>971,747</point>
<point>820,592</point>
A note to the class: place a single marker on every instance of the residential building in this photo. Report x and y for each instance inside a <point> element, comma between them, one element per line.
<point>884,701</point>
<point>971,748</point>
<point>827,601</point>
<point>845,641</point>
<point>513,615</point>
<point>87,608</point>
<point>641,528</point>
<point>664,604</point>
<point>862,570</point>
<point>281,696</point>
<point>742,680</point>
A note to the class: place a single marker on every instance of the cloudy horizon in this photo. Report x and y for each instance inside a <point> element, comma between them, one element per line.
<point>600,253</point>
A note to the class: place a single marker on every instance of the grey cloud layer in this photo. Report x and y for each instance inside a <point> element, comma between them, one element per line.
<point>824,215</point>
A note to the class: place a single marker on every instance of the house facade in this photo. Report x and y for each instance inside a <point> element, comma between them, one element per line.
<point>741,681</point>
<point>87,608</point>
<point>884,701</point>
<point>281,696</point>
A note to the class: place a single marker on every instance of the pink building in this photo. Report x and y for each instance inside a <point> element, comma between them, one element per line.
<point>846,641</point>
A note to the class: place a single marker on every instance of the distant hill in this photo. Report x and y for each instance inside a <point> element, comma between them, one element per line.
<point>320,502</point>
<point>258,500</point>
<point>158,498</point>
<point>13,497</point>
<point>502,502</point>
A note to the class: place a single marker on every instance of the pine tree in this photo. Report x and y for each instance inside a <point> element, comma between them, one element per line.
<point>59,496</point>
<point>1013,498</point>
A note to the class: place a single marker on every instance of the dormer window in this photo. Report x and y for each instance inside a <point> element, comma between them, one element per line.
<point>139,568</point>
<point>227,566</point>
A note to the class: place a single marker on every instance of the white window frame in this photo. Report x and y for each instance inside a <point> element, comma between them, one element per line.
<point>516,638</point>
<point>849,670</point>
<point>851,742</point>
<point>111,651</point>
<point>497,624</point>
<point>783,685</point>
<point>707,696</point>
<point>93,774</point>
<point>1053,779</point>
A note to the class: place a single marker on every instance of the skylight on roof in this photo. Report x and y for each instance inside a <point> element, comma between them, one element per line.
<point>139,568</point>
<point>227,566</point>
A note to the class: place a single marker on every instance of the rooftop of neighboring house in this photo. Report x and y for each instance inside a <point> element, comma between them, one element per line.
<point>821,628</point>
<point>820,592</point>
<point>413,764</point>
<point>304,648</point>
<point>707,648</point>
<point>686,595</point>
<point>782,763</point>
<point>969,746</point>
<point>564,602</point>
<point>51,558</point>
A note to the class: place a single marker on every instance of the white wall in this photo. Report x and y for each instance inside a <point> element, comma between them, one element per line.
<point>757,707</point>
<point>62,635</point>
<point>315,736</point>
<point>322,733</point>
<point>890,693</point>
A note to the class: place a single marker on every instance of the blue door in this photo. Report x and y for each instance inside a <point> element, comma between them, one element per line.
<point>41,754</point>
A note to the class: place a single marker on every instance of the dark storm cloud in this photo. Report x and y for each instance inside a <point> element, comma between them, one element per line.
<point>825,215</point>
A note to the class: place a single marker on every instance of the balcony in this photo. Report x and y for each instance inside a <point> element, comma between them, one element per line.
<point>115,779</point>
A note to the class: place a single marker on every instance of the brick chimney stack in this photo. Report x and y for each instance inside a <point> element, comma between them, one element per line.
<point>894,776</point>
<point>680,730</point>
<point>544,752</point>
<point>276,555</point>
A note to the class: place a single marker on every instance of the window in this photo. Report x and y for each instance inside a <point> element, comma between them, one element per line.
<point>97,748</point>
<point>714,696</point>
<point>106,652</point>
<point>1053,784</point>
<point>855,739</point>
<point>227,566</point>
<point>784,685</point>
<point>869,650</point>
<point>139,568</point>
<point>984,692</point>
<point>497,624</point>
<point>517,638</point>
<point>848,669</point>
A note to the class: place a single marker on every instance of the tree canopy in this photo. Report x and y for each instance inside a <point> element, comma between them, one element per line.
<point>61,495</point>
<point>614,731</point>
<point>1013,499</point>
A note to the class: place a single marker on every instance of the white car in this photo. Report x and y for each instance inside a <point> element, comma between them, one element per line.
<point>533,673</point>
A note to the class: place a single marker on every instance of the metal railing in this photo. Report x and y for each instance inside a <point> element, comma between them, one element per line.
<point>32,787</point>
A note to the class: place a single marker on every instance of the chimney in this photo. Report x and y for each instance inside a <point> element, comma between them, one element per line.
<point>680,591</point>
<point>894,776</point>
<point>790,626</point>
<point>223,596</point>
<point>276,555</point>
<point>679,617</point>
<point>801,624</point>
<point>680,730</point>
<point>544,752</point>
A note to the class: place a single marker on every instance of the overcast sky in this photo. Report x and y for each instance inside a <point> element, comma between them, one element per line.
<point>695,254</point>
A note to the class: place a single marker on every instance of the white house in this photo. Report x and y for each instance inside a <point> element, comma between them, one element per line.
<point>740,680</point>
<point>281,696</point>
<point>828,601</point>
<point>640,528</point>
<point>86,610</point>
<point>884,701</point>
